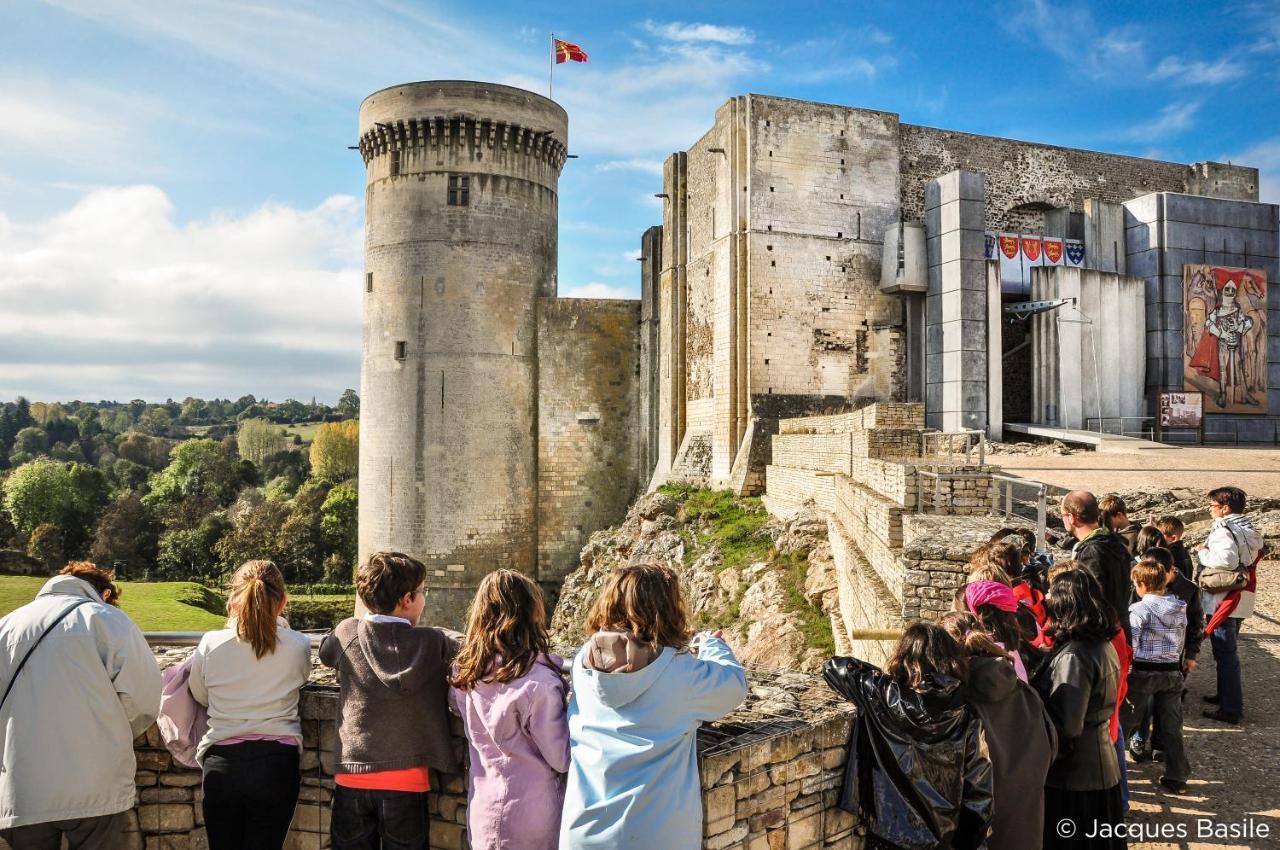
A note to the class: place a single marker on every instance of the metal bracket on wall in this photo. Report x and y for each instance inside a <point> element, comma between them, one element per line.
<point>1026,309</point>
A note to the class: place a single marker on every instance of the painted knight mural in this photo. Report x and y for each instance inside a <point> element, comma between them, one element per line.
<point>1225,325</point>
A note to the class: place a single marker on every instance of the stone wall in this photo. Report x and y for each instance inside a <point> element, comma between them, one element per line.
<point>770,773</point>
<point>590,440</point>
<point>1025,179</point>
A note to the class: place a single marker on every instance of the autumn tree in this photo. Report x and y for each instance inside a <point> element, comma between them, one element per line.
<point>258,440</point>
<point>335,451</point>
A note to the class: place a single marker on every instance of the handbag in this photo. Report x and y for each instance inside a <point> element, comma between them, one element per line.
<point>43,635</point>
<point>1225,579</point>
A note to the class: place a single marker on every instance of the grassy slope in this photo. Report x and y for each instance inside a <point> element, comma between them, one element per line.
<point>155,606</point>
<point>736,527</point>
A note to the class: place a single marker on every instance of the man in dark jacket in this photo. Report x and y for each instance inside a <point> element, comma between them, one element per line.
<point>1099,551</point>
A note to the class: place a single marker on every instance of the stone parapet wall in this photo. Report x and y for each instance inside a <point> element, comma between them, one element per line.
<point>789,489</point>
<point>865,601</point>
<point>771,774</point>
<point>879,415</point>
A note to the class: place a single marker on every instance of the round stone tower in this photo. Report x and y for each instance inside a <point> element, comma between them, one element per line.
<point>460,242</point>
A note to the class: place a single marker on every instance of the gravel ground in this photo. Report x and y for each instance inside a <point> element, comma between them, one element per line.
<point>1235,770</point>
<point>1256,471</point>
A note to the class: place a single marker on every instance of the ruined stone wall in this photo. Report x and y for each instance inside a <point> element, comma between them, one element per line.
<point>1023,180</point>
<point>590,439</point>
<point>779,791</point>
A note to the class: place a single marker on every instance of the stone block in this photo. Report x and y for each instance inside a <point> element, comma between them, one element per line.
<point>968,185</point>
<point>165,817</point>
<point>165,794</point>
<point>447,836</point>
<point>157,760</point>
<point>181,779</point>
<point>719,809</point>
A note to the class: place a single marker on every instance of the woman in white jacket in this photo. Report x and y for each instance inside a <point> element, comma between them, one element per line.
<point>249,675</point>
<point>67,725</point>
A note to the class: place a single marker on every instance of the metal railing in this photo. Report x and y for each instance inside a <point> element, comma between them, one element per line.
<point>1008,505</point>
<point>193,638</point>
<point>966,444</point>
<point>1100,425</point>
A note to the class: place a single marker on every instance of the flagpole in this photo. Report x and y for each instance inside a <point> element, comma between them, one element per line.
<point>551,65</point>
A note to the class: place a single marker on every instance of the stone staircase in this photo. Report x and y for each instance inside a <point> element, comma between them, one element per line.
<point>905,507</point>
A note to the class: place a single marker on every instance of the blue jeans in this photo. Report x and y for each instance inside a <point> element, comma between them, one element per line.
<point>1227,658</point>
<point>378,820</point>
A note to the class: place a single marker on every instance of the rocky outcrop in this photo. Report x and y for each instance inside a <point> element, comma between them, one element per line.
<point>768,584</point>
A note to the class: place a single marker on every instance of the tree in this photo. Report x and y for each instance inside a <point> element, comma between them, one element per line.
<point>188,553</point>
<point>339,516</point>
<point>125,539</point>
<point>89,426</point>
<point>38,493</point>
<point>151,452</point>
<point>255,535</point>
<point>46,546</point>
<point>291,464</point>
<point>155,420</point>
<point>335,451</point>
<point>349,405</point>
<point>258,440</point>
<point>197,469</point>
<point>31,441</point>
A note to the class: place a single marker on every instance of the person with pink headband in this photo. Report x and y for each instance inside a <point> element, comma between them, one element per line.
<point>994,605</point>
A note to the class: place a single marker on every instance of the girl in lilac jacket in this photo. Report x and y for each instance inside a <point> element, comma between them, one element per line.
<point>511,697</point>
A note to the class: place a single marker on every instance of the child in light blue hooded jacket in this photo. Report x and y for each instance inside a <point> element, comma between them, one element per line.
<point>639,695</point>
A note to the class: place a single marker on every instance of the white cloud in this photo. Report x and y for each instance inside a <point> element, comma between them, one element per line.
<point>648,166</point>
<point>860,53</point>
<point>1198,72</point>
<point>112,298</point>
<point>300,45</point>
<point>678,31</point>
<point>596,290</point>
<point>1071,33</point>
<point>1173,119</point>
<point>632,255</point>
<point>1264,156</point>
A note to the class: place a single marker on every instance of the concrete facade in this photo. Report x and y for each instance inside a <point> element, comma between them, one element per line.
<point>460,323</point>
<point>1166,231</point>
<point>772,295</point>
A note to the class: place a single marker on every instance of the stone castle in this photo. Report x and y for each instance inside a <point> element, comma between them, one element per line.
<point>812,259</point>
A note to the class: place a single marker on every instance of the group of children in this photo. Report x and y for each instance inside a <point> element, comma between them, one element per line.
<point>997,724</point>
<point>612,765</point>
<point>1003,722</point>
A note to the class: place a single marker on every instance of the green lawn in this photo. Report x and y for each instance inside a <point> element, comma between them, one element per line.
<point>162,606</point>
<point>305,430</point>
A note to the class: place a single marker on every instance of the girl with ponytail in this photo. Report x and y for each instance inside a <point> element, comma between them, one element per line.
<point>249,675</point>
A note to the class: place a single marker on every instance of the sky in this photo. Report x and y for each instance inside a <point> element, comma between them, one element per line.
<point>180,215</point>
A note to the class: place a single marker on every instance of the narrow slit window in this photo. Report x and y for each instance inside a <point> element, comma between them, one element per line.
<point>459,190</point>
<point>402,349</point>
<point>368,281</point>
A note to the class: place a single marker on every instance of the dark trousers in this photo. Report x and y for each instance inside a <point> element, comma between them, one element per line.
<point>100,833</point>
<point>1226,658</point>
<point>250,791</point>
<point>1163,690</point>
<point>378,820</point>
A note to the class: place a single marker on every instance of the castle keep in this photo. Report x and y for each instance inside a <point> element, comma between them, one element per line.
<point>496,418</point>
<point>811,259</point>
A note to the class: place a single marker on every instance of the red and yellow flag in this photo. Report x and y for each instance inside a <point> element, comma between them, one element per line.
<point>567,51</point>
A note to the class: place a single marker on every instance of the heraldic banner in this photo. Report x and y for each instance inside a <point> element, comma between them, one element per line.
<point>1225,337</point>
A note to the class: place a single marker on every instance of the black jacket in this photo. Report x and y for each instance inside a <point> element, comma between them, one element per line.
<point>1107,558</point>
<point>1021,741</point>
<point>917,771</point>
<point>1182,560</point>
<point>1078,683</point>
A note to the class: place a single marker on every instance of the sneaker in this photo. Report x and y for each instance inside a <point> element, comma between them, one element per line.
<point>1138,750</point>
<point>1173,786</point>
<point>1220,716</point>
<point>1157,755</point>
<point>1212,699</point>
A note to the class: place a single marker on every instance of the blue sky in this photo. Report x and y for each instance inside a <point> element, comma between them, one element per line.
<point>180,215</point>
